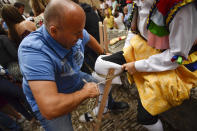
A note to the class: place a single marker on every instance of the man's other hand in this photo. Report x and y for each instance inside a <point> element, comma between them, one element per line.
<point>91,89</point>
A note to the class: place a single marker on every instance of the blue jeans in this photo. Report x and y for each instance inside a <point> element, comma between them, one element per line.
<point>62,123</point>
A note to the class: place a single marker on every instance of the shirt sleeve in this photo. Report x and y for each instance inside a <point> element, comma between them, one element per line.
<point>183,33</point>
<point>35,65</point>
<point>86,37</point>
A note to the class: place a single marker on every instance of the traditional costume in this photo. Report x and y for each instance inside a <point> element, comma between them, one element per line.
<point>171,29</point>
<point>166,63</point>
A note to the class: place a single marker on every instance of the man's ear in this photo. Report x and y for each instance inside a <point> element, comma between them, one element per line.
<point>53,31</point>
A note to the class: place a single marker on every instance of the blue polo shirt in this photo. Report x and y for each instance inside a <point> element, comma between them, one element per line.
<point>42,58</point>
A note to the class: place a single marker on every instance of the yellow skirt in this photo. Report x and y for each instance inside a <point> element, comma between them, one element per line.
<point>159,91</point>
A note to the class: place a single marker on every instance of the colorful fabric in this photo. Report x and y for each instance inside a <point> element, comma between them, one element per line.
<point>39,20</point>
<point>158,30</point>
<point>109,22</point>
<point>156,94</point>
<point>129,1</point>
<point>134,8</point>
<point>191,62</point>
<point>168,9</point>
<point>161,14</point>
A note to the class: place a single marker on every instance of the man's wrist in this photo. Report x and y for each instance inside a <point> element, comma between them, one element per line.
<point>83,94</point>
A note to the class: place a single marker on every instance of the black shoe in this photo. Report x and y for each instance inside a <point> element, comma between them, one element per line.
<point>119,106</point>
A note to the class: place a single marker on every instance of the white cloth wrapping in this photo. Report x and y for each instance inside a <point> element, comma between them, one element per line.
<point>102,67</point>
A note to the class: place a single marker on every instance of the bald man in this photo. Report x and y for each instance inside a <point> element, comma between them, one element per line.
<point>50,61</point>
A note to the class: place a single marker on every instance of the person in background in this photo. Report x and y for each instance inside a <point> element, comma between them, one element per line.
<point>31,16</point>
<point>122,5</point>
<point>109,19</point>
<point>126,18</point>
<point>114,6</point>
<point>109,3</point>
<point>129,6</point>
<point>102,4</point>
<point>38,8</point>
<point>20,6</point>
<point>98,13</point>
<point>18,28</point>
<point>118,20</point>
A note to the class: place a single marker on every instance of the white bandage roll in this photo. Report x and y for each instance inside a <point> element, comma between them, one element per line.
<point>116,80</point>
<point>102,67</point>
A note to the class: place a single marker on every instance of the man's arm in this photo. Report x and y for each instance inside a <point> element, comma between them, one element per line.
<point>94,45</point>
<point>53,104</point>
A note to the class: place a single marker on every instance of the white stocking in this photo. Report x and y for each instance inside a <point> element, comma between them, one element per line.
<point>96,109</point>
<point>155,127</point>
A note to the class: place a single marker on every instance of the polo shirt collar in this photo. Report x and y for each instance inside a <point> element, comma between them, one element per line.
<point>59,49</point>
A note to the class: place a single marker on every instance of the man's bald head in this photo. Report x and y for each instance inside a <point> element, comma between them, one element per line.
<point>58,12</point>
<point>65,21</point>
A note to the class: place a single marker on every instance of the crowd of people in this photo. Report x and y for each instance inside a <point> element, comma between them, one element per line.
<point>15,26</point>
<point>47,59</point>
<point>116,13</point>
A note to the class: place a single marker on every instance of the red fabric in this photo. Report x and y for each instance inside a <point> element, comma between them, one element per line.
<point>129,1</point>
<point>165,5</point>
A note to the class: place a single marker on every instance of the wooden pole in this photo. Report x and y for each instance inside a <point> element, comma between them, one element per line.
<point>104,98</point>
<point>106,42</point>
<point>101,34</point>
<point>91,2</point>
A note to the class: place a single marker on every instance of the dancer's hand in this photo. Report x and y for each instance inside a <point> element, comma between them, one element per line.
<point>129,67</point>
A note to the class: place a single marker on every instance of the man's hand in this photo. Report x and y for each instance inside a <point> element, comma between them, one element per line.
<point>91,89</point>
<point>129,67</point>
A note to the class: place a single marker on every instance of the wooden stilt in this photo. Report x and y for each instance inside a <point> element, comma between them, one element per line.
<point>101,34</point>
<point>106,41</point>
<point>103,101</point>
<point>91,3</point>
